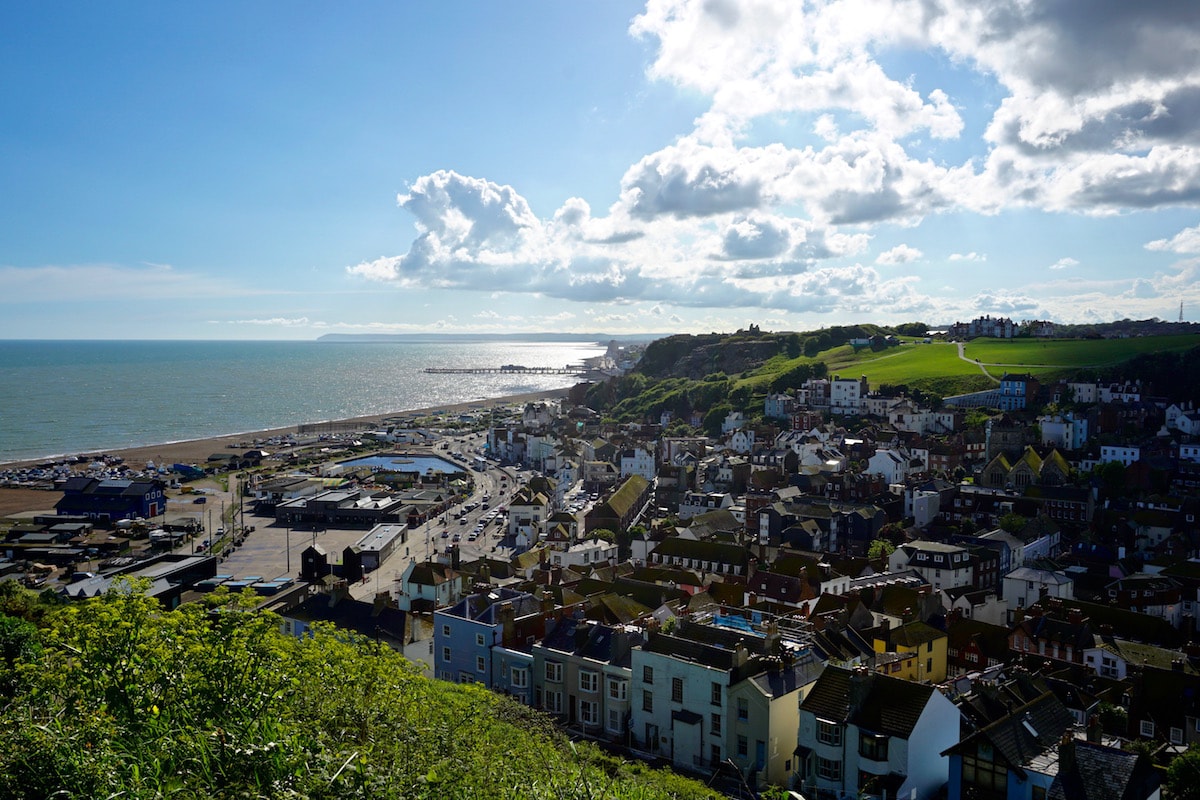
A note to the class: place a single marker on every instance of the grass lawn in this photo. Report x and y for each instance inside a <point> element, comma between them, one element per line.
<point>1054,354</point>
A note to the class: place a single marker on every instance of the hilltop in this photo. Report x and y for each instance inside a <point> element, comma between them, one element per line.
<point>714,373</point>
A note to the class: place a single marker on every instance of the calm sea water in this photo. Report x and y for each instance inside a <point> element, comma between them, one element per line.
<point>60,397</point>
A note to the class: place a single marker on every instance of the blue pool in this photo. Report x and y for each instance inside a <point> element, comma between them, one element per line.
<point>407,463</point>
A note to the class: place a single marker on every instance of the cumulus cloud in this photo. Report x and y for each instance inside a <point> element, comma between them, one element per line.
<point>1186,241</point>
<point>1097,111</point>
<point>900,254</point>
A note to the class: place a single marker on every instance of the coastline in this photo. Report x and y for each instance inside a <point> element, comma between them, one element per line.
<point>197,451</point>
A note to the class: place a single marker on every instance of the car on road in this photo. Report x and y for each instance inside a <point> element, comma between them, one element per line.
<point>456,538</point>
<point>462,521</point>
<point>445,534</point>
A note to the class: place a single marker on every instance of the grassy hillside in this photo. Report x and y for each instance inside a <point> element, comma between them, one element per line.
<point>1051,354</point>
<point>114,697</point>
<point>713,374</point>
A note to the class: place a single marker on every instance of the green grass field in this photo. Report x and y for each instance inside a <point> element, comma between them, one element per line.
<point>936,366</point>
<point>1056,354</point>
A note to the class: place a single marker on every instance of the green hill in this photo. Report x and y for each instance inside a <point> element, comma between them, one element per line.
<point>715,373</point>
<point>114,697</point>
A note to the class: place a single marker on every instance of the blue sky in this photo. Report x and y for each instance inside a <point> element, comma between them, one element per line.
<point>279,171</point>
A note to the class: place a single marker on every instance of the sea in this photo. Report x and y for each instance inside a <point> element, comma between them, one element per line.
<point>71,397</point>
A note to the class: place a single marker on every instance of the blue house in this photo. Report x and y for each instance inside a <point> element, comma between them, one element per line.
<point>1016,391</point>
<point>465,634</point>
<point>111,500</point>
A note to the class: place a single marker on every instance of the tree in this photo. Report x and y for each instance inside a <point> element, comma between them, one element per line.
<point>715,418</point>
<point>793,346</point>
<point>1183,775</point>
<point>1012,522</point>
<point>880,548</point>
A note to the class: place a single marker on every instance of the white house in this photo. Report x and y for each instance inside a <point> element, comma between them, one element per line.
<point>638,461</point>
<point>862,730</point>
<point>846,394</point>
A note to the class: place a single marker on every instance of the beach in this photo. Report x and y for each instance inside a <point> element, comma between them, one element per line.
<point>197,451</point>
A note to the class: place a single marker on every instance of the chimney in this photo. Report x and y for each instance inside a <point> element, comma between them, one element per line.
<point>751,568</point>
<point>740,654</point>
<point>1018,616</point>
<point>1066,755</point>
<point>771,642</point>
<point>1074,616</point>
<point>485,573</point>
<point>547,602</point>
<point>382,600</point>
<point>1095,730</point>
<point>455,558</point>
<point>860,686</point>
<point>338,592</point>
<point>507,626</point>
<point>752,600</point>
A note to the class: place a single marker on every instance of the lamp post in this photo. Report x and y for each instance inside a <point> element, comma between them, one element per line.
<point>288,547</point>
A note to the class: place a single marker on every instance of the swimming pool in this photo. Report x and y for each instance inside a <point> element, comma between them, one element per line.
<point>407,463</point>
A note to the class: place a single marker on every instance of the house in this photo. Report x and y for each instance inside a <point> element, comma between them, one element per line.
<point>1017,391</point>
<point>622,508</point>
<point>944,566</point>
<point>581,675</point>
<point>846,394</point>
<point>1012,756</point>
<point>866,734</point>
<point>428,586</point>
<point>111,499</point>
<point>895,464</point>
<point>638,461</point>
<point>920,651</point>
<point>465,633</point>
<point>703,697</point>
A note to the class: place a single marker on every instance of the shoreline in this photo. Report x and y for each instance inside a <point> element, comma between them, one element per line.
<point>197,451</point>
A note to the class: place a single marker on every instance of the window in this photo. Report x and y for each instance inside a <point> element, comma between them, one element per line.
<point>445,654</point>
<point>479,640</point>
<point>1146,728</point>
<point>676,690</point>
<point>647,674</point>
<point>829,733</point>
<point>743,746</point>
<point>743,709</point>
<point>614,720</point>
<point>1176,735</point>
<point>589,712</point>
<point>617,689</point>
<point>480,664</point>
<point>873,747</point>
<point>714,754</point>
<point>828,769</point>
<point>716,694</point>
<point>520,678</point>
<point>553,702</point>
<point>588,681</point>
<point>554,671</point>
<point>715,725</point>
<point>445,630</point>
<point>647,700</point>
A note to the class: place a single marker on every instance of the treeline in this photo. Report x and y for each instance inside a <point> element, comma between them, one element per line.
<point>116,697</point>
<point>1170,374</point>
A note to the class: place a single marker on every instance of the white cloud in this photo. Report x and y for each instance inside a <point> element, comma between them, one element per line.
<point>972,256</point>
<point>1064,263</point>
<point>1186,241</point>
<point>900,254</point>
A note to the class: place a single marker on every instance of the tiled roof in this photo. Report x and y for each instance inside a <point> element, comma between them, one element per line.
<point>870,700</point>
<point>1090,771</point>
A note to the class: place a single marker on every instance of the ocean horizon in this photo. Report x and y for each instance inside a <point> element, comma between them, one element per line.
<point>65,397</point>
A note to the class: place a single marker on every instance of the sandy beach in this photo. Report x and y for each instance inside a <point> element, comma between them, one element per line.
<point>197,451</point>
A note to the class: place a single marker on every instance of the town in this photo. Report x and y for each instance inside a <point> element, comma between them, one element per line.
<point>846,594</point>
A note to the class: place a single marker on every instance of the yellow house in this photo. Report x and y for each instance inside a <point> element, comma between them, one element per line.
<point>914,651</point>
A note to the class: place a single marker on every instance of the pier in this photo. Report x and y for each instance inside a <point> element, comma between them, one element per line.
<point>508,369</point>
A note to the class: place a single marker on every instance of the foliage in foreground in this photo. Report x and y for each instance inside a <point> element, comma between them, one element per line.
<point>119,698</point>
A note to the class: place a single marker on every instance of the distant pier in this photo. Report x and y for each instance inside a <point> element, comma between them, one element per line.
<point>508,369</point>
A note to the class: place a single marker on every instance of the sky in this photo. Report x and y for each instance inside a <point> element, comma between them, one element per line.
<point>274,170</point>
